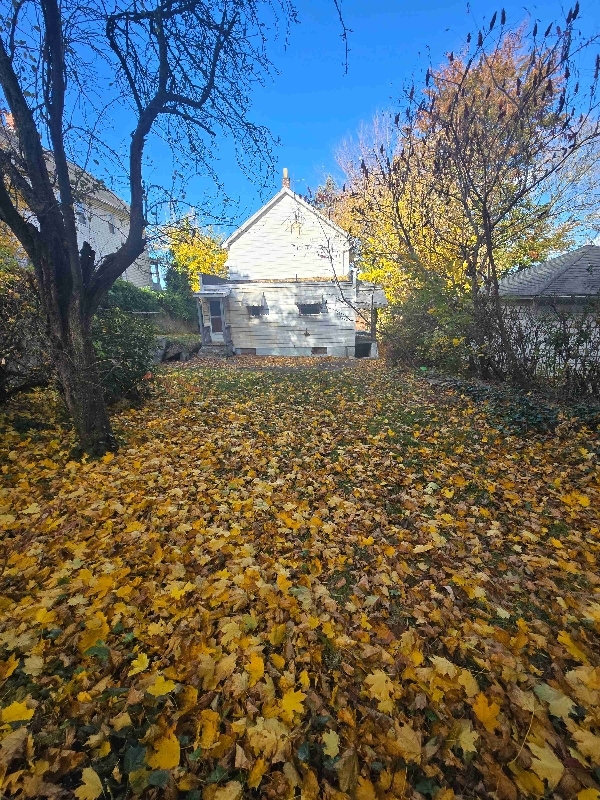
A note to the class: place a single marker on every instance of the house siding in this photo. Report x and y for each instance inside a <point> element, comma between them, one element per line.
<point>93,225</point>
<point>288,241</point>
<point>282,330</point>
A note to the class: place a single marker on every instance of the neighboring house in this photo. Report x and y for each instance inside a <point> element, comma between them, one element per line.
<point>566,280</point>
<point>291,290</point>
<point>101,217</point>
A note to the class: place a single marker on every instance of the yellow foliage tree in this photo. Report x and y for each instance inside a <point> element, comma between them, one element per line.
<point>195,250</point>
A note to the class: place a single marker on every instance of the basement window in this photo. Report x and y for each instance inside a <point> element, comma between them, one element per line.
<point>318,351</point>
<point>256,311</point>
<point>247,351</point>
<point>309,309</point>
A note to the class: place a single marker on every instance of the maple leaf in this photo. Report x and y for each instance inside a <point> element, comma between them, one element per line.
<point>576,652</point>
<point>486,713</point>
<point>139,664</point>
<point>546,765</point>
<point>380,688</point>
<point>17,712</point>
<point>91,787</point>
<point>96,630</point>
<point>292,703</point>
<point>255,669</point>
<point>160,686</point>
<point>589,744</point>
<point>331,742</point>
<point>165,753</point>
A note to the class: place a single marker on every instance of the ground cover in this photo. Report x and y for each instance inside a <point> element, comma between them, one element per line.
<point>328,582</point>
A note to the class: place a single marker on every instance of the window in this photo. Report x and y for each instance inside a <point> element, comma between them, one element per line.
<point>309,309</point>
<point>256,311</point>
<point>80,213</point>
<point>111,224</point>
<point>247,351</point>
<point>318,351</point>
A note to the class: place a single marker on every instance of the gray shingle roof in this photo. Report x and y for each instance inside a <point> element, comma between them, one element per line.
<point>576,273</point>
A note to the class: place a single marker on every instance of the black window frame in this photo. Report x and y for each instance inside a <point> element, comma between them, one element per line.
<point>319,308</point>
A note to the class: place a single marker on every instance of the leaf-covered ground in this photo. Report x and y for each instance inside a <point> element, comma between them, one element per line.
<point>320,582</point>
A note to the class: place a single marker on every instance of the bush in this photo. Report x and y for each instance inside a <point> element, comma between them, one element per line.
<point>431,328</point>
<point>127,297</point>
<point>24,359</point>
<point>124,345</point>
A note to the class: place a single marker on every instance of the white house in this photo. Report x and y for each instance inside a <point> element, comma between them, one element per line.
<point>291,289</point>
<point>102,219</point>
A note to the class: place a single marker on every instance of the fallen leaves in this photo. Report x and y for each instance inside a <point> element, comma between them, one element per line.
<point>300,581</point>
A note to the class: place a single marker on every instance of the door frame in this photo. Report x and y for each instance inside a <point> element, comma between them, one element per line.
<point>217,336</point>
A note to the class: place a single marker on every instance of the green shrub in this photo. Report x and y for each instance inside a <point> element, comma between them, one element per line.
<point>431,328</point>
<point>128,297</point>
<point>123,344</point>
<point>176,302</point>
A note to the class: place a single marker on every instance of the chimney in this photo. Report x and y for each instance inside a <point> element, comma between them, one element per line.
<point>285,183</point>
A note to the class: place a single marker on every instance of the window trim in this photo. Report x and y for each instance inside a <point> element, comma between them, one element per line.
<point>320,309</point>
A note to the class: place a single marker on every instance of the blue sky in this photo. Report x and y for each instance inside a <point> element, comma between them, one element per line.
<point>313,106</point>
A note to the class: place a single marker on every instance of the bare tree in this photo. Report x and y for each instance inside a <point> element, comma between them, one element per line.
<point>182,69</point>
<point>497,145</point>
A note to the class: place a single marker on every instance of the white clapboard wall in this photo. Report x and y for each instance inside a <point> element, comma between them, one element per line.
<point>287,239</point>
<point>282,329</point>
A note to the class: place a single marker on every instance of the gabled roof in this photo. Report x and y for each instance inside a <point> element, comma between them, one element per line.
<point>268,206</point>
<point>574,274</point>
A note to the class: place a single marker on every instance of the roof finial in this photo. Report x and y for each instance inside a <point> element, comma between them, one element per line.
<point>285,183</point>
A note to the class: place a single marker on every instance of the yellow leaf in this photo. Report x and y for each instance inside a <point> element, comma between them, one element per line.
<point>408,742</point>
<point>256,773</point>
<point>103,750</point>
<point>33,665</point>
<point>380,688</point>
<point>277,661</point>
<point>332,744</point>
<point>486,713</point>
<point>122,720</point>
<point>231,791</point>
<point>225,667</point>
<point>546,765</point>
<point>165,752</point>
<point>160,687</point>
<point>96,629</point>
<point>467,737</point>
<point>292,702</point>
<point>588,794</point>
<point>277,634</point>
<point>209,728</point>
<point>574,651</point>
<point>91,788</point>
<point>468,682</point>
<point>365,790</point>
<point>255,669</point>
<point>284,583</point>
<point>304,679</point>
<point>589,744</point>
<point>139,664</point>
<point>17,712</point>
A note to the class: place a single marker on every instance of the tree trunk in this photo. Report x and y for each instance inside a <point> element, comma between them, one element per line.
<point>75,361</point>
